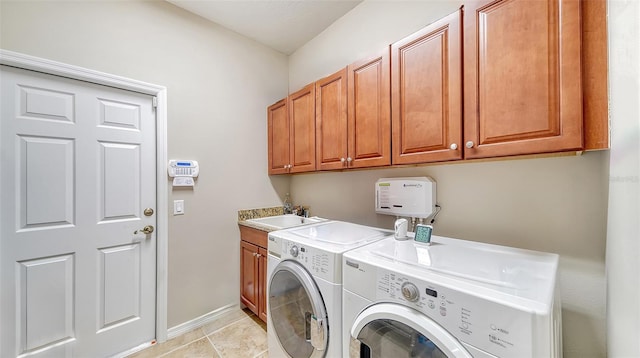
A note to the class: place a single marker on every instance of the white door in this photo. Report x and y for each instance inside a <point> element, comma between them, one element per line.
<point>77,173</point>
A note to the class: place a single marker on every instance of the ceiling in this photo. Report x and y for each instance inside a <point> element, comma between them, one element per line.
<point>284,25</point>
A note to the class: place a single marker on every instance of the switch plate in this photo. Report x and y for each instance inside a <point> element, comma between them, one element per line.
<point>178,207</point>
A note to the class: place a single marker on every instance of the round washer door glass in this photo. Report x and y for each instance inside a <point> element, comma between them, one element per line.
<point>297,311</point>
<point>388,338</point>
<point>392,330</point>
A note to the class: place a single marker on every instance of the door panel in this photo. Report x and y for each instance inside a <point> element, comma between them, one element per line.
<point>119,297</point>
<point>262,289</point>
<point>45,301</point>
<point>278,127</point>
<point>123,115</point>
<point>46,104</point>
<point>528,62</point>
<point>302,129</point>
<point>522,63</point>
<point>45,203</point>
<point>78,169</point>
<point>118,168</point>
<point>249,279</point>
<point>369,112</point>
<point>331,121</point>
<point>426,90</point>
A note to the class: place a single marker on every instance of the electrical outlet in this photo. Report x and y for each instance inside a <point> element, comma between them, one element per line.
<point>178,207</point>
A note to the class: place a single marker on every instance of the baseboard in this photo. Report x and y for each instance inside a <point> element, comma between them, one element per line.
<point>199,321</point>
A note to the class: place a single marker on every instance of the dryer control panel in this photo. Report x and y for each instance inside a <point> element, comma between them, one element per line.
<point>498,329</point>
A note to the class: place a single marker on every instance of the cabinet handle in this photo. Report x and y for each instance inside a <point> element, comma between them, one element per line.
<point>349,159</point>
<point>470,144</point>
<point>342,160</point>
<point>453,146</point>
<point>258,255</point>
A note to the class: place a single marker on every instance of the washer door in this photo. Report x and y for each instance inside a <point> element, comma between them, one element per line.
<point>391,330</point>
<point>297,311</point>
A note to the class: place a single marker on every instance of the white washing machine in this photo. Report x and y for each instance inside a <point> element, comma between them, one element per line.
<point>452,298</point>
<point>304,297</point>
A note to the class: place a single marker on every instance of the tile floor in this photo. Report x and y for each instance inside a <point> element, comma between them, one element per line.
<point>237,334</point>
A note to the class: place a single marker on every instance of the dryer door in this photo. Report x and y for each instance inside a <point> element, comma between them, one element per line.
<point>297,311</point>
<point>391,330</point>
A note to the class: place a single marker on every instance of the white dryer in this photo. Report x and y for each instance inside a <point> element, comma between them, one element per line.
<point>452,298</point>
<point>304,297</point>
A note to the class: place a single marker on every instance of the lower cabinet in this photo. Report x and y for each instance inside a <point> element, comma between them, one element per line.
<point>253,270</point>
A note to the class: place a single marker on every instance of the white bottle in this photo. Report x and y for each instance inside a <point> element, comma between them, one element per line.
<point>400,228</point>
<point>288,209</point>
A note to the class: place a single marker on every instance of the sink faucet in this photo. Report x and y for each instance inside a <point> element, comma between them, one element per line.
<point>288,209</point>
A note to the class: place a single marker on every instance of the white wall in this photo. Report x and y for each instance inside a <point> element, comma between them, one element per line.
<point>623,235</point>
<point>552,204</point>
<point>219,85</point>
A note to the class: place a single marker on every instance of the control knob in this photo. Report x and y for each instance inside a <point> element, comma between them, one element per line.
<point>294,251</point>
<point>410,291</point>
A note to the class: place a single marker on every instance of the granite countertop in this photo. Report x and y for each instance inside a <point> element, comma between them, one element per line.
<point>244,215</point>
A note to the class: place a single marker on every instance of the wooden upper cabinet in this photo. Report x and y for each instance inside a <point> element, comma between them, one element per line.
<point>291,131</point>
<point>595,74</point>
<point>278,137</point>
<point>331,121</point>
<point>522,77</point>
<point>369,112</point>
<point>426,90</point>
<point>302,130</point>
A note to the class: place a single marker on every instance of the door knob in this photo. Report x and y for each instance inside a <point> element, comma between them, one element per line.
<point>145,230</point>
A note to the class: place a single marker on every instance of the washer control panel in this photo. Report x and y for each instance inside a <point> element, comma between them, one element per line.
<point>410,291</point>
<point>319,263</point>
<point>498,329</point>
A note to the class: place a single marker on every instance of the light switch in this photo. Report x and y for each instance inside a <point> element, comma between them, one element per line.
<point>178,207</point>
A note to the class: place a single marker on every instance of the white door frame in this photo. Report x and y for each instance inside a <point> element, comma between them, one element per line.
<point>28,62</point>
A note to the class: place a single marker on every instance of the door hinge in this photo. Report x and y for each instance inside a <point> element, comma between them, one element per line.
<point>154,102</point>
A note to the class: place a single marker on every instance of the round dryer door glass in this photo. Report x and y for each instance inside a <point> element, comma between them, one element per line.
<point>297,311</point>
<point>388,338</point>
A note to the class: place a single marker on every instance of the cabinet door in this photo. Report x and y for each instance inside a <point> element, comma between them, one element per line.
<point>249,279</point>
<point>595,74</point>
<point>369,112</point>
<point>278,137</point>
<point>426,90</point>
<point>522,77</point>
<point>331,121</point>
<point>262,287</point>
<point>302,131</point>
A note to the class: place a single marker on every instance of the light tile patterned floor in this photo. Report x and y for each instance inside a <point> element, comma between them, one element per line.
<point>237,334</point>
